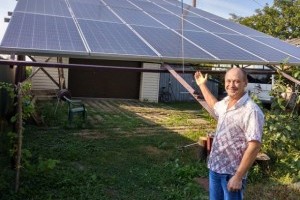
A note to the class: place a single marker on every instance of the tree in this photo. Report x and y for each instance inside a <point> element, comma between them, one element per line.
<point>281,20</point>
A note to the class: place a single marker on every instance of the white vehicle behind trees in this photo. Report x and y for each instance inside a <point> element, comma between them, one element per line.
<point>261,84</point>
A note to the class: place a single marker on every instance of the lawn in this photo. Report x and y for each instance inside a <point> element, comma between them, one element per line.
<point>125,150</point>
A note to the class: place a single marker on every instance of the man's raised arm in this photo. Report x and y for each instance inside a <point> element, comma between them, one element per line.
<point>201,82</point>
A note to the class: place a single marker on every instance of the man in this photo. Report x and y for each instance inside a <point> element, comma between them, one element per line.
<point>237,140</point>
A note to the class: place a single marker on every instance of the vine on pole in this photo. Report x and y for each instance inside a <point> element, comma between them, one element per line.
<point>19,135</point>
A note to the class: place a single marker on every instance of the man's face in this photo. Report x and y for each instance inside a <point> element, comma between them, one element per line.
<point>235,83</point>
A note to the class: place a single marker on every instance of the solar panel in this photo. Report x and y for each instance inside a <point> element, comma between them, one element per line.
<point>173,21</point>
<point>240,28</point>
<point>280,45</point>
<point>218,47</point>
<point>95,2</point>
<point>136,17</point>
<point>170,47</point>
<point>204,14</point>
<point>118,3</point>
<point>49,7</point>
<point>168,2</point>
<point>257,48</point>
<point>178,11</point>
<point>188,10</point>
<point>43,32</point>
<point>109,28</point>
<point>149,7</point>
<point>113,38</point>
<point>171,8</point>
<point>208,25</point>
<point>93,11</point>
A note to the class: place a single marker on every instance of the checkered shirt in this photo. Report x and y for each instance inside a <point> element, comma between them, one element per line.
<point>238,125</point>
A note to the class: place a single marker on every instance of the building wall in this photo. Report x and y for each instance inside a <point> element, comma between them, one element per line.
<point>40,81</point>
<point>178,92</point>
<point>149,87</point>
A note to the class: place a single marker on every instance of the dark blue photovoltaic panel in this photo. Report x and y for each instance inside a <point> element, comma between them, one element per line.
<point>218,47</point>
<point>209,25</point>
<point>43,32</point>
<point>173,21</point>
<point>281,45</point>
<point>136,17</point>
<point>113,38</point>
<point>205,14</point>
<point>95,2</point>
<point>93,11</point>
<point>164,2</point>
<point>50,27</point>
<point>119,3</point>
<point>148,7</point>
<point>49,7</point>
<point>178,10</point>
<point>240,28</point>
<point>257,48</point>
<point>168,43</point>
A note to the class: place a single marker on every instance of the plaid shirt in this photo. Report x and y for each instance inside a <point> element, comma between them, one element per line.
<point>238,125</point>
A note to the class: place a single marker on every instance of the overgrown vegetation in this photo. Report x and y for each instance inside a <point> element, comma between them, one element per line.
<point>282,129</point>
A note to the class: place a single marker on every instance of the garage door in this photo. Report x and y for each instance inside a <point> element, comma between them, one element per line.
<point>92,82</point>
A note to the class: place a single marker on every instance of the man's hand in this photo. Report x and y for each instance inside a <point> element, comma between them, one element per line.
<point>234,184</point>
<point>200,79</point>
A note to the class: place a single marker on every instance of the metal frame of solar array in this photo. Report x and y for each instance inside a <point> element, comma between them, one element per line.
<point>145,30</point>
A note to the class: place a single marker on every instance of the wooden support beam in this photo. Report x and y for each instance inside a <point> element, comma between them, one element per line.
<point>41,68</point>
<point>19,136</point>
<point>61,77</point>
<point>32,74</point>
<point>190,90</point>
<point>49,76</point>
<point>289,77</point>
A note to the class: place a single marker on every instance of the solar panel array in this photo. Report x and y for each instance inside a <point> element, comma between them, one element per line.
<point>146,30</point>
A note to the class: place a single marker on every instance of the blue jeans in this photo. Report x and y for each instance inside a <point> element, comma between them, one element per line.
<point>218,187</point>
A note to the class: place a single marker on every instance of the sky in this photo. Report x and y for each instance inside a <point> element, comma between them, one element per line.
<point>221,8</point>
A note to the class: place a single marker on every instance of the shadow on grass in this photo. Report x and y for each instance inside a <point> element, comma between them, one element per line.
<point>125,150</point>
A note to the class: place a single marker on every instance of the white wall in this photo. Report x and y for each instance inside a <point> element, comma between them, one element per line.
<point>149,87</point>
<point>40,81</point>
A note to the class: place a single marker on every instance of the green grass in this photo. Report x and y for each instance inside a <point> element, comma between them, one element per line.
<point>109,160</point>
<point>123,155</point>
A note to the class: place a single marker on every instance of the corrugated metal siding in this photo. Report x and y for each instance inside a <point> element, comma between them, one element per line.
<point>40,81</point>
<point>149,84</point>
<point>178,92</point>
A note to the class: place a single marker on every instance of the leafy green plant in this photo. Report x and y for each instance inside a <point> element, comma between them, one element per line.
<point>281,132</point>
<point>282,142</point>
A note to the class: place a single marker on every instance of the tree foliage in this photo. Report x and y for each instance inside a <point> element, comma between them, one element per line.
<point>281,20</point>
